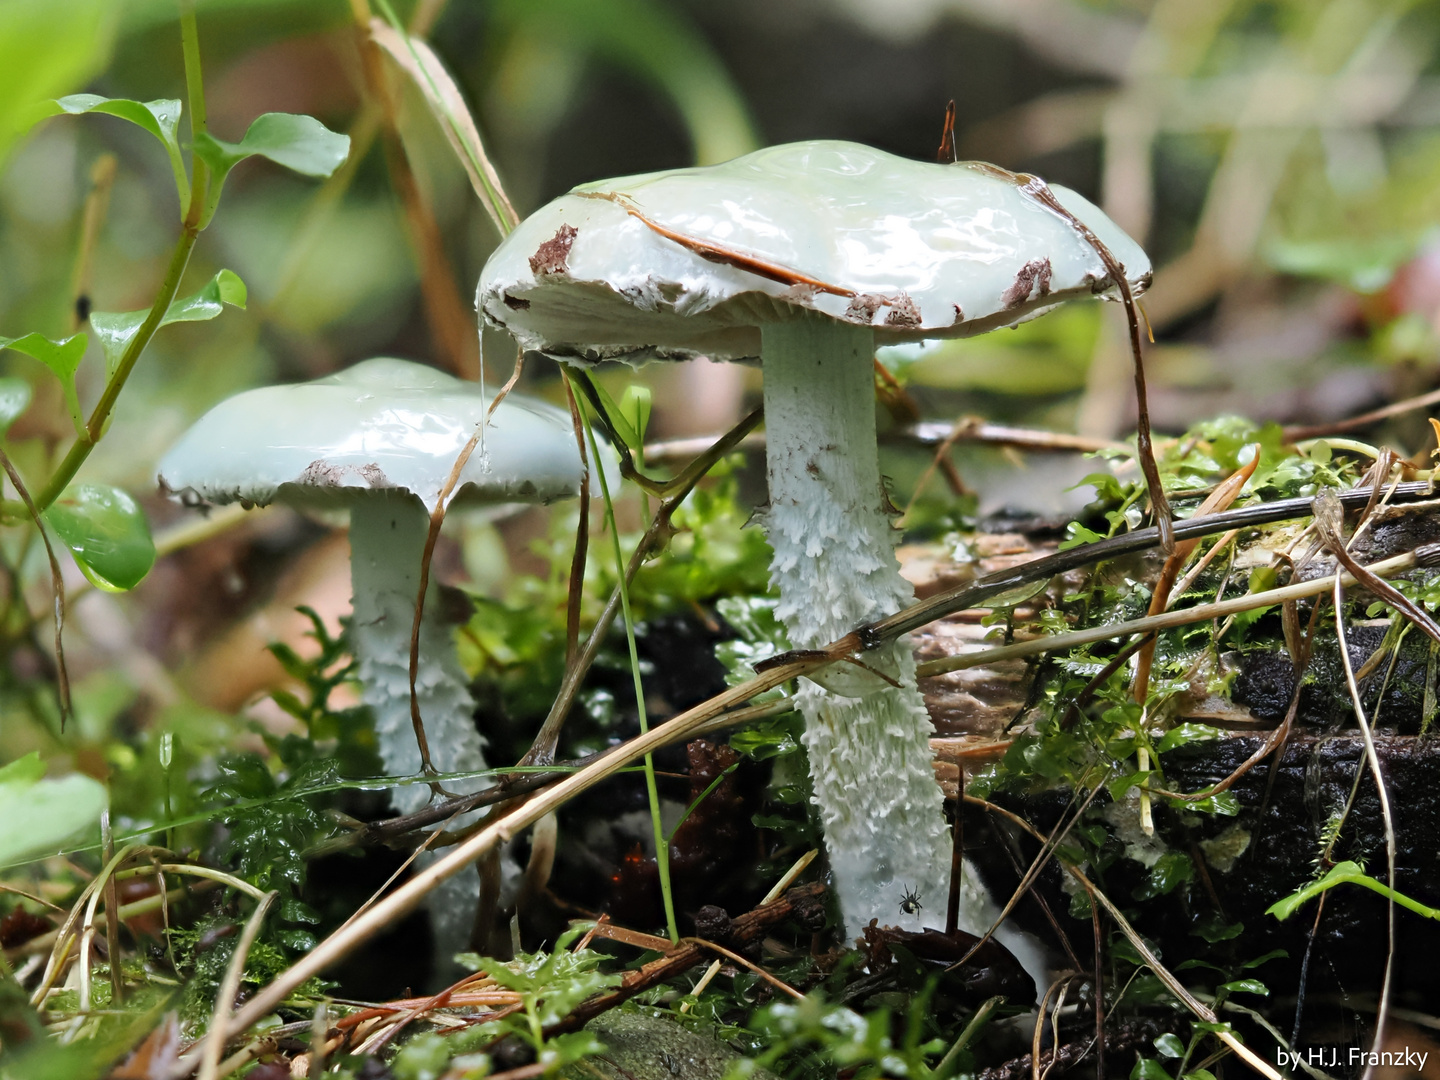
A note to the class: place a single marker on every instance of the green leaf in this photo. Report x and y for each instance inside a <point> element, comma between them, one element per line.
<point>1121,784</point>
<point>50,49</point>
<point>1148,1069</point>
<point>106,531</point>
<point>116,329</point>
<point>1212,928</point>
<point>1246,986</point>
<point>1181,734</point>
<point>24,771</point>
<point>1170,1046</point>
<point>160,118</point>
<point>1171,869</point>
<point>37,815</point>
<point>15,397</point>
<point>1273,954</point>
<point>635,407</point>
<point>619,419</point>
<point>62,357</point>
<point>299,143</point>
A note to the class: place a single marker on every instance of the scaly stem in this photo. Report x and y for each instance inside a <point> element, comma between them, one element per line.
<point>662,845</point>
<point>179,259</point>
<point>835,568</point>
<point>387,537</point>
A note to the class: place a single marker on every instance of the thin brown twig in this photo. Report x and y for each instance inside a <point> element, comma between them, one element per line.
<point>451,327</point>
<point>779,984</point>
<point>1145,450</point>
<point>1327,518</point>
<point>1217,501</point>
<point>978,429</point>
<point>1047,849</point>
<point>1059,988</point>
<point>873,635</point>
<point>112,920</point>
<point>57,580</point>
<point>408,896</point>
<point>718,253</point>
<point>1301,432</point>
<point>947,154</point>
<point>542,750</point>
<point>97,204</point>
<point>1328,514</point>
<point>432,536</point>
<point>1149,959</point>
<point>1426,554</point>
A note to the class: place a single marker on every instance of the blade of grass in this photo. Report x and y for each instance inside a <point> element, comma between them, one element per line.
<point>1164,621</point>
<point>445,101</point>
<point>229,987</point>
<point>662,843</point>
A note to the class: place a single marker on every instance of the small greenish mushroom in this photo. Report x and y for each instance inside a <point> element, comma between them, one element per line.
<point>805,257</point>
<point>379,440</point>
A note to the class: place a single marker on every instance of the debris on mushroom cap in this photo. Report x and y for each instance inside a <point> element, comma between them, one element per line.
<point>382,425</point>
<point>690,262</point>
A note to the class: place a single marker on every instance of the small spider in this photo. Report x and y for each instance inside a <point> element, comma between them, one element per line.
<point>909,901</point>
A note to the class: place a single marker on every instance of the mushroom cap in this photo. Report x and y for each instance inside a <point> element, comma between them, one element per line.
<point>382,425</point>
<point>914,249</point>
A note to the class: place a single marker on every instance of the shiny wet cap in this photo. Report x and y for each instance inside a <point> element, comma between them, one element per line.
<point>382,425</point>
<point>691,262</point>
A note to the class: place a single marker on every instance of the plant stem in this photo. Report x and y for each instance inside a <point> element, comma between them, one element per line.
<point>194,82</point>
<point>179,259</point>
<point>662,844</point>
<point>95,426</point>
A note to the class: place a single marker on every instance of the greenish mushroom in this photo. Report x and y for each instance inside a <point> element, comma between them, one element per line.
<point>379,440</point>
<point>805,257</point>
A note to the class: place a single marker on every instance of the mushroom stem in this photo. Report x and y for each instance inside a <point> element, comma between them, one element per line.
<point>835,567</point>
<point>387,538</point>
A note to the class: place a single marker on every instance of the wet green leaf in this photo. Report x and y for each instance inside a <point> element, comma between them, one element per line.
<point>160,118</point>
<point>62,357</point>
<point>116,329</point>
<point>1273,954</point>
<point>1181,734</point>
<point>635,406</point>
<point>620,418</point>
<point>300,143</point>
<point>1170,1045</point>
<point>106,531</point>
<point>1148,1069</point>
<point>37,815</point>
<point>1171,869</point>
<point>1212,928</point>
<point>1246,986</point>
<point>15,395</point>
<point>1120,785</point>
